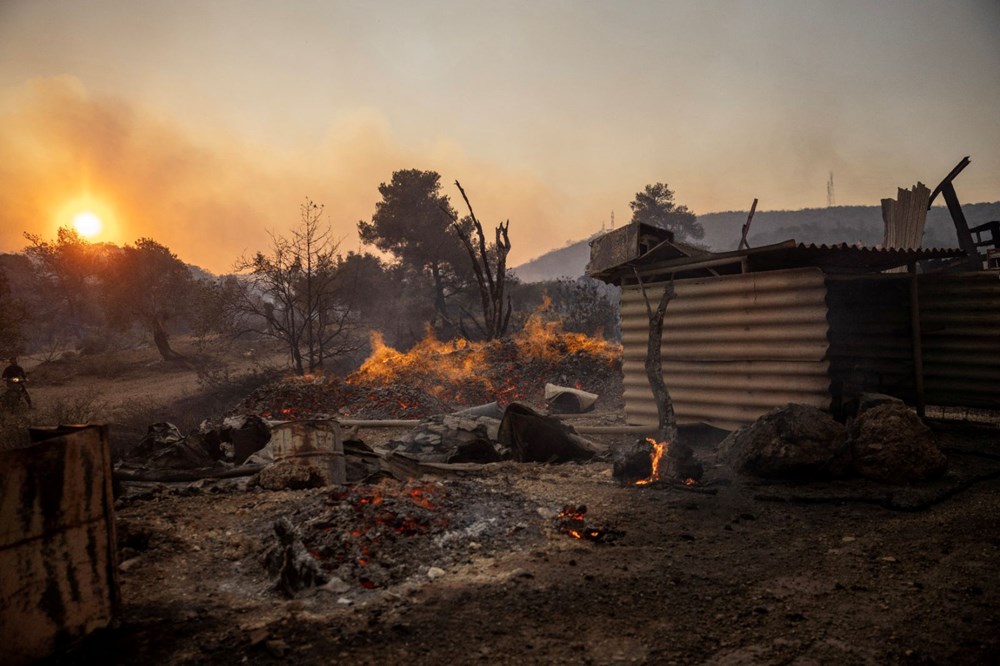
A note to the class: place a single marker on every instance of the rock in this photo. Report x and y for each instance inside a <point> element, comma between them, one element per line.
<point>795,442</point>
<point>336,586</point>
<point>290,476</point>
<point>869,400</point>
<point>435,572</point>
<point>891,444</point>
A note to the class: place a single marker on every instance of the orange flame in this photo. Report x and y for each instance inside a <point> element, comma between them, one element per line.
<point>656,457</point>
<point>447,370</point>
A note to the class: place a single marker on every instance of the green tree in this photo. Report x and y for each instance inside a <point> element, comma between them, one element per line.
<point>147,284</point>
<point>291,294</point>
<point>655,206</point>
<point>413,222</point>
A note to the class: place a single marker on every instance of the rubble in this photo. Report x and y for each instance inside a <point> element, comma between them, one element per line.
<point>891,444</point>
<point>795,442</point>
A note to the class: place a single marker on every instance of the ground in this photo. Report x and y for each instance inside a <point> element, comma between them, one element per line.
<point>733,571</point>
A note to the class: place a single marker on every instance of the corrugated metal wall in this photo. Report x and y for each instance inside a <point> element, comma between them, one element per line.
<point>871,346</point>
<point>960,326</point>
<point>734,347</point>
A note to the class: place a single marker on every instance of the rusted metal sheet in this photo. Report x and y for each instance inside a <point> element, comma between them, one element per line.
<point>960,325</point>
<point>58,569</point>
<point>623,245</point>
<point>734,347</point>
<point>315,443</point>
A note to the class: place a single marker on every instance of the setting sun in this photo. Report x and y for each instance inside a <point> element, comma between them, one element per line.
<point>87,224</point>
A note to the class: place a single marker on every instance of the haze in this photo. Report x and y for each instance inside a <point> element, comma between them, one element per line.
<point>205,125</point>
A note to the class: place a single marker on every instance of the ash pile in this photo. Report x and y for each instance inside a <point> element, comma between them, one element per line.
<point>374,536</point>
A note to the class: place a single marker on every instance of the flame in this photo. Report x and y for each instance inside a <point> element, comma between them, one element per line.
<point>458,371</point>
<point>656,457</point>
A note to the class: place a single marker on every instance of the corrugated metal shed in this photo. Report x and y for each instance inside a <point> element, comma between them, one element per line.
<point>960,325</point>
<point>755,329</point>
<point>733,347</point>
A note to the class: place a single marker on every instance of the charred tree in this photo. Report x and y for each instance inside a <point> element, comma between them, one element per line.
<point>490,268</point>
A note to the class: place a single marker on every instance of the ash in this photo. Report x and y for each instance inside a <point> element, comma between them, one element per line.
<point>380,535</point>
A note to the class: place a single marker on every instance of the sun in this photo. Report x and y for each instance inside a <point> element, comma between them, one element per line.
<point>87,224</point>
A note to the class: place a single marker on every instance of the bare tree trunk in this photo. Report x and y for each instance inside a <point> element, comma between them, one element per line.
<point>667,430</point>
<point>491,280</point>
<point>162,339</point>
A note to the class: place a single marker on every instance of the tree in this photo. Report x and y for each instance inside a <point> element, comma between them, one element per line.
<point>147,284</point>
<point>413,222</point>
<point>655,206</point>
<point>12,313</point>
<point>490,268</point>
<point>64,267</point>
<point>291,294</point>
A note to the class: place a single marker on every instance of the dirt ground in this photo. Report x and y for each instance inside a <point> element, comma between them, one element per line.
<point>732,571</point>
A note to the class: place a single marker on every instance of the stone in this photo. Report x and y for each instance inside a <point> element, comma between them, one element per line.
<point>795,442</point>
<point>891,444</point>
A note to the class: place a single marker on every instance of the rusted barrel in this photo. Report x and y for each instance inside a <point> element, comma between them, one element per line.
<point>316,443</point>
<point>58,568</point>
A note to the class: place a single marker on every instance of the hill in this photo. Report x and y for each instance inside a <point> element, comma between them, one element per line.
<point>838,224</point>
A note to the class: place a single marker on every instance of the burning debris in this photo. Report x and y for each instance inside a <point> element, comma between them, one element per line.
<point>572,520</point>
<point>450,375</point>
<point>374,536</point>
<point>648,462</point>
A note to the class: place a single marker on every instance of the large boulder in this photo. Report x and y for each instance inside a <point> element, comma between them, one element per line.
<point>891,444</point>
<point>795,442</point>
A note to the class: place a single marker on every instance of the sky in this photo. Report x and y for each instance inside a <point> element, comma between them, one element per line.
<point>205,124</point>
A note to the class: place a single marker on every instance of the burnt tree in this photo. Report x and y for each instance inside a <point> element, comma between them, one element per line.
<point>489,266</point>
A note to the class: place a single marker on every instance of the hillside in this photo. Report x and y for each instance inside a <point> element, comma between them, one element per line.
<point>839,224</point>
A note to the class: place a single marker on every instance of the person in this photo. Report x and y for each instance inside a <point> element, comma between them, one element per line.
<point>14,376</point>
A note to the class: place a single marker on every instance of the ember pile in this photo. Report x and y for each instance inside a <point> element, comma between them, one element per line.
<point>374,536</point>
<point>450,375</point>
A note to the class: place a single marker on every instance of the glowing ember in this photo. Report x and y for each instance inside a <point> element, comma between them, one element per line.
<point>656,457</point>
<point>572,521</point>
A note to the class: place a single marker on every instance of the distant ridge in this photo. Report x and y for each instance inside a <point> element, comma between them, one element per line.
<point>836,224</point>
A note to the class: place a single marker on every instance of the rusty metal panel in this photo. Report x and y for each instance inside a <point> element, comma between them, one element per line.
<point>960,326</point>
<point>734,346</point>
<point>58,569</point>
<point>624,244</point>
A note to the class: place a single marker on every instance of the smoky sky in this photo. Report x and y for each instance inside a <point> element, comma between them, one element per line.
<point>206,124</point>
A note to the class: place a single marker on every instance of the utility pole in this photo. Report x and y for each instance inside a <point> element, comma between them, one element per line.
<point>830,199</point>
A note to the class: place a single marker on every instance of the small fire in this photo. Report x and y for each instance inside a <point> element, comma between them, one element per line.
<point>572,520</point>
<point>656,457</point>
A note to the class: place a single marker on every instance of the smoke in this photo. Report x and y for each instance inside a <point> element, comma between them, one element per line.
<point>211,196</point>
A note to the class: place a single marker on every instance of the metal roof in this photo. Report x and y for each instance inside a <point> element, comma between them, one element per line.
<point>676,258</point>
